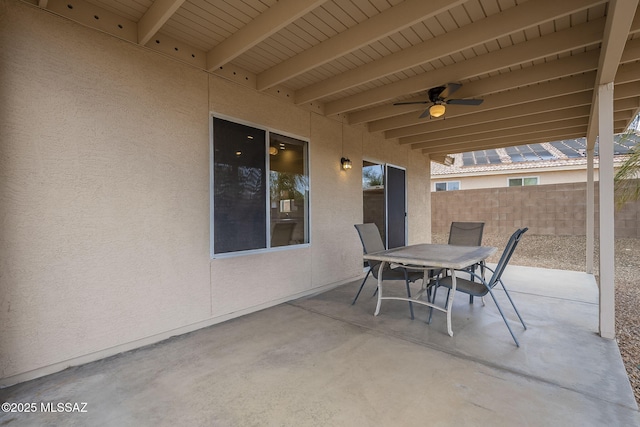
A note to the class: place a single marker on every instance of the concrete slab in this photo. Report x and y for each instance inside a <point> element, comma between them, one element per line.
<point>320,361</point>
<point>560,345</point>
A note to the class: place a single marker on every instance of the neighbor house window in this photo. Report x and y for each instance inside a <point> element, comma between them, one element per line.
<point>519,182</point>
<point>260,189</point>
<point>447,186</point>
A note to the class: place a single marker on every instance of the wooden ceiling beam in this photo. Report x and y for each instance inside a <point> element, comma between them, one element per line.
<point>575,64</point>
<point>620,19</point>
<point>388,22</point>
<point>626,87</point>
<point>619,126</point>
<point>507,112</point>
<point>543,91</point>
<point>545,135</point>
<point>631,103</point>
<point>579,36</point>
<point>155,17</point>
<point>626,90</point>
<point>488,145</point>
<point>619,117</point>
<point>503,133</point>
<point>564,115</point>
<point>544,72</point>
<point>266,24</point>
<point>493,27</point>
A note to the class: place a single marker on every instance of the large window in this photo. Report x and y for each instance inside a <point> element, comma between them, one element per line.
<point>260,189</point>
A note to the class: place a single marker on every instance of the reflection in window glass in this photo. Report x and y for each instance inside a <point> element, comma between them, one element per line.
<point>372,176</point>
<point>373,200</point>
<point>239,194</point>
<point>530,181</point>
<point>288,189</point>
<point>250,204</point>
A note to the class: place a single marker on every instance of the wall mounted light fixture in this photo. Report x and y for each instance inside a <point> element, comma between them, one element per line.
<point>345,163</point>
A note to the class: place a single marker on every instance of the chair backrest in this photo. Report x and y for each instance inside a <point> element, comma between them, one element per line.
<point>466,233</point>
<point>371,242</point>
<point>506,256</point>
<point>370,238</point>
<point>282,233</point>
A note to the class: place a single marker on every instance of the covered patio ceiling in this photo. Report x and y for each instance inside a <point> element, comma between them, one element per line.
<point>535,63</point>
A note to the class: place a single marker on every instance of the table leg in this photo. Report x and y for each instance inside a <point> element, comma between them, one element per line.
<point>450,301</point>
<point>379,288</point>
<point>425,283</point>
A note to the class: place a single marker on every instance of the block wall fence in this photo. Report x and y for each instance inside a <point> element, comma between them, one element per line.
<point>557,209</point>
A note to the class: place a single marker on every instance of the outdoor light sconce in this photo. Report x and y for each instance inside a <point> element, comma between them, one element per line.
<point>346,163</point>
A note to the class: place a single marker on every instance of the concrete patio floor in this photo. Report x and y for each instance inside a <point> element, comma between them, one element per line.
<point>319,361</point>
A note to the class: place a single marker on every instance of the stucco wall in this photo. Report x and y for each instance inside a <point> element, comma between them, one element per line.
<point>104,197</point>
<point>558,209</point>
<point>500,179</point>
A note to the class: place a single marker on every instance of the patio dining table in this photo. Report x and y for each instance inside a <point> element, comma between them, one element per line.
<point>427,256</point>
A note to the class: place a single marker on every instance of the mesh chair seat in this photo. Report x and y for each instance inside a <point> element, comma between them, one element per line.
<point>475,289</point>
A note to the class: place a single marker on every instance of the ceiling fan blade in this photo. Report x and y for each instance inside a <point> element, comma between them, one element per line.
<point>424,114</point>
<point>465,101</point>
<point>410,102</point>
<point>450,89</point>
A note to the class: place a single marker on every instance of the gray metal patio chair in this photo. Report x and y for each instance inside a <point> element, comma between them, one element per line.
<point>372,242</point>
<point>467,234</point>
<point>483,287</point>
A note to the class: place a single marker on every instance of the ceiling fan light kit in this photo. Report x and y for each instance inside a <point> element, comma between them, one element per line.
<point>437,110</point>
<point>438,98</point>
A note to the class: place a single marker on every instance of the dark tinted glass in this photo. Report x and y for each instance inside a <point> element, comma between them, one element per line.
<point>239,183</point>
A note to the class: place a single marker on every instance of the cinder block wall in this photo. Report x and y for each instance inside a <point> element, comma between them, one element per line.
<point>558,209</point>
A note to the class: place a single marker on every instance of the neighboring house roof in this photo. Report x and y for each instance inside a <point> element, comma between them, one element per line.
<point>565,153</point>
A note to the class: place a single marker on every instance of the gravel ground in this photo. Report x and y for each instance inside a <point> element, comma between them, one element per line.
<point>568,253</point>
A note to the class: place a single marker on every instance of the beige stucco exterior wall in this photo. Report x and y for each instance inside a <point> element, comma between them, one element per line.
<point>104,197</point>
<point>546,176</point>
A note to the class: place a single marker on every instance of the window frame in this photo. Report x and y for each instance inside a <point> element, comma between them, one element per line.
<point>446,183</point>
<point>267,207</point>
<point>537,178</point>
